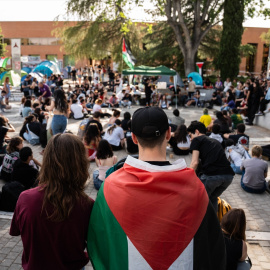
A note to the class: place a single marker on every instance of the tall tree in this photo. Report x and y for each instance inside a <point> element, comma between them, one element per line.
<point>2,45</point>
<point>229,55</point>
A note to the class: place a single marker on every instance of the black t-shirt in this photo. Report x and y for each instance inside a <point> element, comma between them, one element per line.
<point>242,139</point>
<point>73,72</point>
<point>147,89</point>
<point>159,163</point>
<point>224,127</point>
<point>124,124</point>
<point>111,76</point>
<point>233,251</point>
<point>212,155</point>
<point>24,174</point>
<point>131,146</point>
<point>35,127</point>
<point>3,132</point>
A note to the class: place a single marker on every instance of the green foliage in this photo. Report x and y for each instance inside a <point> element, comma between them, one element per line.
<point>266,37</point>
<point>2,45</point>
<point>229,55</point>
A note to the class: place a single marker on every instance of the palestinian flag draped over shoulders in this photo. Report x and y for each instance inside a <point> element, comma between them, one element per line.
<point>154,217</point>
<point>3,62</point>
<point>127,55</point>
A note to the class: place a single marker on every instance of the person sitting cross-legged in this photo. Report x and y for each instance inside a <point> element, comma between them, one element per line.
<point>253,179</point>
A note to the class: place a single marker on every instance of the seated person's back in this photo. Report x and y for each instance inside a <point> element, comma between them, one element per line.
<point>23,172</point>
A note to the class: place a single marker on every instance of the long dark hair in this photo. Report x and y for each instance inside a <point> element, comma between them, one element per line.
<point>231,96</point>
<point>3,121</point>
<point>116,113</point>
<point>104,150</point>
<point>28,119</point>
<point>113,127</point>
<point>92,133</point>
<point>181,134</point>
<point>60,101</point>
<point>233,223</point>
<point>221,118</point>
<point>14,142</point>
<point>63,175</point>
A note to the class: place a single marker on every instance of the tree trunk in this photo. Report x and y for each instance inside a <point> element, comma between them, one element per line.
<point>189,61</point>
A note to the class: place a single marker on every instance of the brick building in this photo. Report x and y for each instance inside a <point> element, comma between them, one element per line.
<point>37,40</point>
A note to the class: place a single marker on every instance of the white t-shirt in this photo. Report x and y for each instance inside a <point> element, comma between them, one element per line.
<point>116,136</point>
<point>236,158</point>
<point>77,110</point>
<point>96,108</point>
<point>184,145</point>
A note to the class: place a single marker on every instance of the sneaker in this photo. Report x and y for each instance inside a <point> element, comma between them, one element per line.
<point>266,111</point>
<point>259,114</point>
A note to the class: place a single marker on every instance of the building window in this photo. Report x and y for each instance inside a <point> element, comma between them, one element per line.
<point>53,41</point>
<point>251,60</point>
<point>265,57</point>
<point>44,41</point>
<point>7,41</point>
<point>34,41</point>
<point>24,41</point>
<point>51,57</point>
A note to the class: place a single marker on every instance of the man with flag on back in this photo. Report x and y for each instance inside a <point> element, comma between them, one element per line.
<point>151,214</point>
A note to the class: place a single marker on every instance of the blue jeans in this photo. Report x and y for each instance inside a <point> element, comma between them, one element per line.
<point>59,124</point>
<point>97,182</point>
<point>252,190</point>
<point>236,169</point>
<point>215,185</point>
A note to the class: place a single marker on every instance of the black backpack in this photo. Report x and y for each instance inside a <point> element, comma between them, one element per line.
<point>10,195</point>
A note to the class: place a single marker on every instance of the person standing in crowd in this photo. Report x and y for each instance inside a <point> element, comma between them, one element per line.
<point>73,75</point>
<point>183,236</point>
<point>26,86</point>
<point>216,173</point>
<point>233,226</point>
<point>60,108</point>
<point>148,92</point>
<point>7,89</point>
<point>48,213</point>
<point>111,80</point>
<point>69,71</point>
<point>191,87</point>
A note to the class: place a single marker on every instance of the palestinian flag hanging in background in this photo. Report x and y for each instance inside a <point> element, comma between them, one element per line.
<point>127,55</point>
<point>3,62</point>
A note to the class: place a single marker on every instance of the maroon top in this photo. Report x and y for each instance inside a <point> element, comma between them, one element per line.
<point>48,244</point>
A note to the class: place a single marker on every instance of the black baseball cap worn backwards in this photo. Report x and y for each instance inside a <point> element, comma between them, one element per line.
<point>149,122</point>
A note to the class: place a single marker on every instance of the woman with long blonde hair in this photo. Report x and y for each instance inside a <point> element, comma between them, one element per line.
<point>53,218</point>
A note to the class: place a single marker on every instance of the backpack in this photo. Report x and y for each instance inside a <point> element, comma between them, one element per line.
<point>223,208</point>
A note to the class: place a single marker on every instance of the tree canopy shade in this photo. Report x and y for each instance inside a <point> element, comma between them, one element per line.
<point>149,71</point>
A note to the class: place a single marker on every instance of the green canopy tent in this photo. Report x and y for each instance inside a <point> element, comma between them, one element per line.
<point>150,71</point>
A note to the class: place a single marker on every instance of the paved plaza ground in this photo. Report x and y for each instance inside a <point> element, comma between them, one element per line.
<point>256,206</point>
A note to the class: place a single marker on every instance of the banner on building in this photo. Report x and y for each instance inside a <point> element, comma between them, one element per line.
<point>16,55</point>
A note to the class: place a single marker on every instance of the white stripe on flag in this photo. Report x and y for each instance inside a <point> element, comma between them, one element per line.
<point>183,262</point>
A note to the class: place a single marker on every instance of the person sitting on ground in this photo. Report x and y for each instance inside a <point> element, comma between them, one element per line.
<point>104,160</point>
<point>116,115</point>
<point>124,123</point>
<point>31,128</point>
<point>230,103</point>
<point>27,109</point>
<point>126,100</point>
<point>97,108</point>
<point>215,100</point>
<point>10,157</point>
<point>176,120</point>
<point>91,140</point>
<point>3,106</point>
<point>77,110</point>
<point>215,133</point>
<point>115,136</point>
<point>113,101</point>
<point>253,179</point>
<point>180,141</point>
<point>194,100</point>
<point>216,173</point>
<point>25,169</point>
<point>131,147</point>
<point>169,198</point>
<point>240,137</point>
<point>233,225</point>
<point>235,154</point>
<point>227,114</point>
<point>206,119</point>
<point>5,127</point>
<point>163,102</point>
<point>236,118</point>
<point>222,121</point>
<point>48,213</point>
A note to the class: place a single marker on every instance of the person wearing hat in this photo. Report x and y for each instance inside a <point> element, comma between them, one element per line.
<point>152,214</point>
<point>206,118</point>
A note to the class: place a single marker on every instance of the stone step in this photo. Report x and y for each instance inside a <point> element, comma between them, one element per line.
<point>263,120</point>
